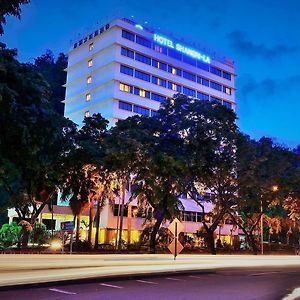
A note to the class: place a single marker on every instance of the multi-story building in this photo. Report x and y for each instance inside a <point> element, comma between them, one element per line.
<point>124,69</point>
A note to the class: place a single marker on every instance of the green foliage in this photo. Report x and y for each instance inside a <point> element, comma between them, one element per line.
<point>9,235</point>
<point>39,234</point>
<point>11,8</point>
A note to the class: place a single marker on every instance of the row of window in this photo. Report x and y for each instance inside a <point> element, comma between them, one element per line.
<point>92,35</point>
<point>168,84</point>
<point>175,54</point>
<point>141,92</point>
<point>175,71</point>
<point>136,109</point>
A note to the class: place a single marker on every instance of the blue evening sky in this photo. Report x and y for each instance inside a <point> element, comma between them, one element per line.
<point>262,36</point>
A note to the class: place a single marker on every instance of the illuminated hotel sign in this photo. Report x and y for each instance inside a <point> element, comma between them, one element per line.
<point>188,51</point>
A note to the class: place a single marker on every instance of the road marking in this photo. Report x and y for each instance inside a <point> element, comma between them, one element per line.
<point>264,273</point>
<point>175,279</point>
<point>111,285</point>
<point>293,296</point>
<point>62,292</point>
<point>192,276</point>
<point>146,281</point>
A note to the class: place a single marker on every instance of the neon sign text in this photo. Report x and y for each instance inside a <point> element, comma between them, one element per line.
<point>183,49</point>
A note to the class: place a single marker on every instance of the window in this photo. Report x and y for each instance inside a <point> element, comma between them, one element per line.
<point>154,79</point>
<point>126,70</point>
<point>202,96</point>
<point>153,113</point>
<point>215,99</point>
<point>128,35</point>
<point>125,88</point>
<point>162,66</point>
<point>216,86</point>
<point>90,63</point>
<point>91,46</point>
<point>142,41</point>
<point>162,82</point>
<point>175,54</point>
<point>87,114</point>
<point>141,110</point>
<point>216,71</point>
<point>189,60</point>
<point>173,86</point>
<point>160,49</point>
<point>226,75</point>
<point>142,58</point>
<point>157,97</point>
<point>127,52</point>
<point>227,104</point>
<point>89,80</point>
<point>205,82</point>
<point>189,76</point>
<point>142,75</point>
<point>154,63</point>
<point>88,97</point>
<point>189,92</point>
<point>202,65</point>
<point>142,93</point>
<point>125,106</point>
<point>227,90</point>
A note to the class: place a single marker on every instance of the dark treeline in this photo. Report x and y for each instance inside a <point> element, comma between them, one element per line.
<point>189,147</point>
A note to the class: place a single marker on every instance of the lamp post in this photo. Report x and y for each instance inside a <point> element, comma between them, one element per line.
<point>275,188</point>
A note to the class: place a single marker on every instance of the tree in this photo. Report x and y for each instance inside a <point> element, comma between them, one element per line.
<point>82,184</point>
<point>53,72</point>
<point>12,8</point>
<point>266,177</point>
<point>33,139</point>
<point>205,134</point>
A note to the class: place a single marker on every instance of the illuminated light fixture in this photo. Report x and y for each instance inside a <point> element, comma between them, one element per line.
<point>138,26</point>
<point>56,245</point>
<point>180,48</point>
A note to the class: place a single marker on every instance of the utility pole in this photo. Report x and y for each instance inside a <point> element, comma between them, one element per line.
<point>122,214</point>
<point>261,228</point>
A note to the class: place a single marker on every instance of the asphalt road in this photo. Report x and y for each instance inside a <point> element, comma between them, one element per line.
<point>248,283</point>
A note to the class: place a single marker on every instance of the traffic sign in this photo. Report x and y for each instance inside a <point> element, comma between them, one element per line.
<point>175,246</point>
<point>175,227</point>
<point>176,223</point>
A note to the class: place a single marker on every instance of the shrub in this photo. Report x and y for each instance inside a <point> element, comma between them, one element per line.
<point>39,234</point>
<point>9,235</point>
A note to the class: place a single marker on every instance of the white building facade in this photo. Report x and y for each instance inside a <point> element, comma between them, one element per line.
<point>124,69</point>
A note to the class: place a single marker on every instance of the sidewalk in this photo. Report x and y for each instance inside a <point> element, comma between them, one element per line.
<point>18,269</point>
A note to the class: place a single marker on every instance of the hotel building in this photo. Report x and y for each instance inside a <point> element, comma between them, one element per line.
<point>122,69</point>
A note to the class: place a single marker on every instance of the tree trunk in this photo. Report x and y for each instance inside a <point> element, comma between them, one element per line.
<point>121,216</point>
<point>252,243</point>
<point>90,227</point>
<point>211,242</point>
<point>154,232</point>
<point>97,226</point>
<point>78,219</point>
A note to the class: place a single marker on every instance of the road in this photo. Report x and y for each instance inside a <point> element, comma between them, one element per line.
<point>27,269</point>
<point>247,283</point>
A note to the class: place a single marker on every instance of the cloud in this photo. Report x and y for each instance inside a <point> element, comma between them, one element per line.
<point>268,86</point>
<point>239,41</point>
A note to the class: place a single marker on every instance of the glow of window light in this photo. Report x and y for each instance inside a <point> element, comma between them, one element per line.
<point>180,48</point>
<point>138,26</point>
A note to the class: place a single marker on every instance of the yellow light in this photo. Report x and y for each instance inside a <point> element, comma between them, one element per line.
<point>275,188</point>
<point>173,71</point>
<point>142,93</point>
<point>56,245</point>
<point>173,86</point>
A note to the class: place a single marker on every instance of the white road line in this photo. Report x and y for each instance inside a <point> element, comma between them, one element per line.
<point>146,281</point>
<point>62,292</point>
<point>175,279</point>
<point>264,273</point>
<point>192,276</point>
<point>293,296</point>
<point>111,285</point>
